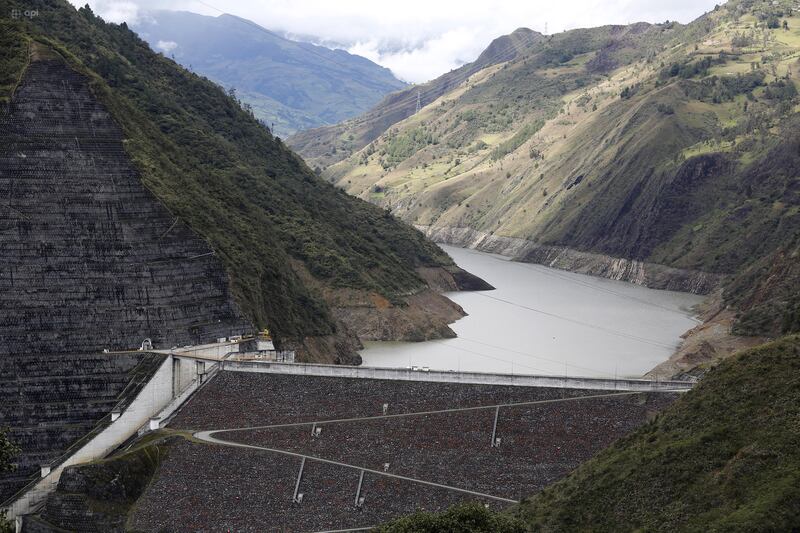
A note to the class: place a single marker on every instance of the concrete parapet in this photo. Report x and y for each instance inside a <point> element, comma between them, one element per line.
<point>405,374</point>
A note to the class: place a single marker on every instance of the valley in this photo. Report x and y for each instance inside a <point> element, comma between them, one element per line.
<point>289,85</point>
<point>555,288</point>
<point>662,154</point>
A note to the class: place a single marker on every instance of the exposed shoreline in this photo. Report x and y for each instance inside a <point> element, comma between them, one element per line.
<point>701,346</point>
<point>649,275</point>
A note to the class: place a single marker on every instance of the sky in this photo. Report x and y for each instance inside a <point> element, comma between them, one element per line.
<point>417,39</point>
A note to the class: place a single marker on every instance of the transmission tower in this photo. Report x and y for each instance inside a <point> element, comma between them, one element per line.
<point>419,102</point>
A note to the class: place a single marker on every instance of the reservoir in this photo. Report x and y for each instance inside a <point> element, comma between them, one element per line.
<point>541,320</point>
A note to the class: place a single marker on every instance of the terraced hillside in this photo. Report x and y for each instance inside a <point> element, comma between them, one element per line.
<point>140,201</point>
<point>299,256</point>
<point>618,151</point>
<point>91,260</point>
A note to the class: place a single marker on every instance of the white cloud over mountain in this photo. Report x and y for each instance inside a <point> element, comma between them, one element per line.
<point>417,39</point>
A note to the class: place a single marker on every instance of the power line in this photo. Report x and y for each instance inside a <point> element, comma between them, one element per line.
<point>581,323</point>
<point>434,92</point>
<point>509,361</point>
<point>509,350</point>
<point>546,271</point>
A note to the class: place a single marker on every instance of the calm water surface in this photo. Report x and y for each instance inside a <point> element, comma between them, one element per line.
<point>546,321</point>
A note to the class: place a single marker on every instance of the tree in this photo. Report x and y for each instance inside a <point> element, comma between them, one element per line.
<point>467,518</point>
<point>7,452</point>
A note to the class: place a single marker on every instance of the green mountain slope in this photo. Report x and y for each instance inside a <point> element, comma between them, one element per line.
<point>284,236</point>
<point>326,145</point>
<point>722,458</point>
<point>294,85</point>
<point>665,144</point>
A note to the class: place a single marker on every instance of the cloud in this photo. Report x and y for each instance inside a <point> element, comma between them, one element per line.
<point>427,60</point>
<point>417,39</point>
<point>166,46</point>
<point>115,10</point>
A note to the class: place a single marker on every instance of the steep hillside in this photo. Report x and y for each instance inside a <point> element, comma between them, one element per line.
<point>324,146</point>
<point>110,265</point>
<point>294,85</point>
<point>291,245</point>
<point>627,148</point>
<point>722,458</point>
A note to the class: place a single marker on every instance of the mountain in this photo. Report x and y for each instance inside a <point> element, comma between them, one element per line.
<point>172,209</point>
<point>329,144</point>
<point>661,154</point>
<point>290,84</point>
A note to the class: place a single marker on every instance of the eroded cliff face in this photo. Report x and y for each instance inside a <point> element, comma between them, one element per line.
<point>91,260</point>
<point>422,316</point>
<point>360,315</point>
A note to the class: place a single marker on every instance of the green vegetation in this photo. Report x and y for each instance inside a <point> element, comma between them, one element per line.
<point>268,217</point>
<point>684,139</point>
<point>289,84</point>
<point>7,453</point>
<point>106,490</point>
<point>691,69</point>
<point>464,518</point>
<point>400,146</point>
<point>723,458</point>
<point>519,138</point>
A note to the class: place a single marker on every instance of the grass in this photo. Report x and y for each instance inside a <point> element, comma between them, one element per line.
<point>682,150</point>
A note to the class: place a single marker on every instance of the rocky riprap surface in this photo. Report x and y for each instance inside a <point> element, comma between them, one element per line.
<point>241,399</point>
<point>205,487</point>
